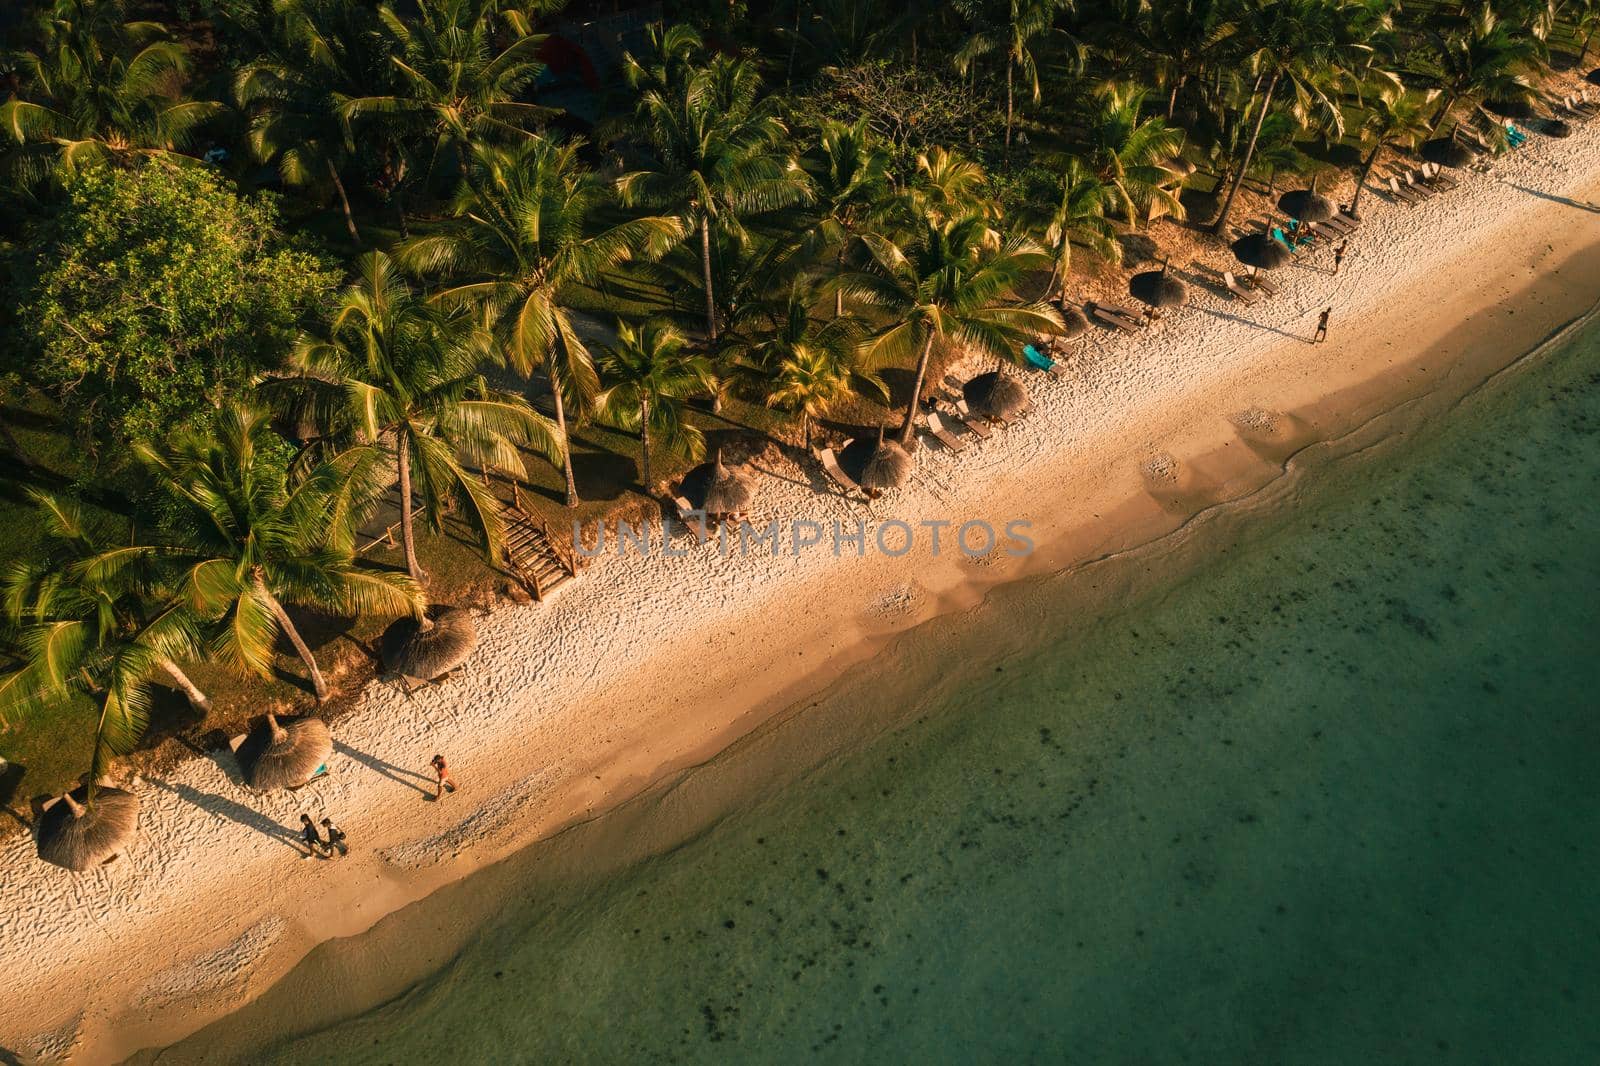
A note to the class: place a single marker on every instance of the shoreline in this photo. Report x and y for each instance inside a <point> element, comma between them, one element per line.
<point>647,663</point>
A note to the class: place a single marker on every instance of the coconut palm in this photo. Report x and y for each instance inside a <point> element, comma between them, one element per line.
<point>1182,37</point>
<point>1485,59</point>
<point>458,87</point>
<point>242,542</point>
<point>947,186</point>
<point>322,52</point>
<point>851,188</point>
<point>1027,26</point>
<point>528,232</point>
<point>651,374</point>
<point>1396,120</point>
<point>397,368</point>
<point>1309,49</point>
<point>97,89</point>
<point>713,160</point>
<point>947,283</point>
<point>1585,18</point>
<point>1125,151</point>
<point>1074,213</point>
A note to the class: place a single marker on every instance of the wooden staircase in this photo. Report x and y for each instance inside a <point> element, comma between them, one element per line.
<point>537,560</point>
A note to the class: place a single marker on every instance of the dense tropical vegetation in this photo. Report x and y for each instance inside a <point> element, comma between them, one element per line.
<point>274,262</point>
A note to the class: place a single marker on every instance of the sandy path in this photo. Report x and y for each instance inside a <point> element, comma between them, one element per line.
<point>646,665</point>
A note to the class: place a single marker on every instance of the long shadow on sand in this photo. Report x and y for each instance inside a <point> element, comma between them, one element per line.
<point>227,809</point>
<point>399,774</point>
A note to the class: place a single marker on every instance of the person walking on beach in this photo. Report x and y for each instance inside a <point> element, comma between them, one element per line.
<point>1322,326</point>
<point>314,842</point>
<point>335,837</point>
<point>1338,257</point>
<point>446,782</point>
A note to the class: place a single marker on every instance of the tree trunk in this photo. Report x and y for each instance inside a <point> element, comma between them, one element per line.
<point>1366,171</point>
<point>197,699</point>
<point>644,443</point>
<point>1172,100</point>
<point>1221,224</point>
<point>408,536</point>
<point>805,426</point>
<point>910,427</point>
<point>561,427</point>
<point>400,213</point>
<point>318,683</point>
<point>1444,113</point>
<point>705,271</point>
<point>344,202</point>
<point>1010,103</point>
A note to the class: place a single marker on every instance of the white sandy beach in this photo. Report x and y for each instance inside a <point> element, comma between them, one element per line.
<point>648,665</point>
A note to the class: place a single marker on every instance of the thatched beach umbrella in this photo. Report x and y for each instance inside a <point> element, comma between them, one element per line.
<point>1307,205</point>
<point>424,649</point>
<point>888,467</point>
<point>1555,127</point>
<point>1260,252</point>
<point>1158,288</point>
<point>1073,322</point>
<point>284,753</point>
<point>995,396</point>
<point>718,489</point>
<point>76,836</point>
<point>1593,77</point>
<point>1513,109</point>
<point>1447,152</point>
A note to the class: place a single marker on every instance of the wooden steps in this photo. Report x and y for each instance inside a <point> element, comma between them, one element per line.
<point>534,557</point>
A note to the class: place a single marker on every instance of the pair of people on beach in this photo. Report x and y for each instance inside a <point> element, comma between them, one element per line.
<point>315,844</point>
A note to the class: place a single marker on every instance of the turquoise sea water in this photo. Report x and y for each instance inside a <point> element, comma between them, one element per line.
<point>1329,797</point>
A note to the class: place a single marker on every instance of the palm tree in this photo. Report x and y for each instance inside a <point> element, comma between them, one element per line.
<point>651,374</point>
<point>1397,120</point>
<point>947,283</point>
<point>242,541</point>
<point>1182,37</point>
<point>1075,213</point>
<point>97,89</point>
<point>86,634</point>
<point>713,142</point>
<point>1310,48</point>
<point>1585,18</point>
<point>1027,24</point>
<point>851,188</point>
<point>1485,59</point>
<point>458,87</point>
<point>323,52</point>
<point>945,187</point>
<point>1125,152</point>
<point>395,366</point>
<point>528,233</point>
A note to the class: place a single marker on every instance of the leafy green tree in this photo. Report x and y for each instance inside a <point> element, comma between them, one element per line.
<point>1182,38</point>
<point>651,373</point>
<point>1026,26</point>
<point>1485,59</point>
<point>395,368</point>
<point>948,282</point>
<point>851,189</point>
<point>241,541</point>
<point>714,157</point>
<point>1125,151</point>
<point>1396,120</point>
<point>1071,210</point>
<point>529,231</point>
<point>155,292</point>
<point>947,186</point>
<point>96,89</point>
<point>322,53</point>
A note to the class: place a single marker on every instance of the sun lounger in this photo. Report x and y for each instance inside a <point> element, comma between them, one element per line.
<point>831,465</point>
<point>694,521</point>
<point>1042,361</point>
<point>1115,318</point>
<point>1027,409</point>
<point>1418,185</point>
<point>1238,290</point>
<point>1584,106</point>
<point>1401,193</point>
<point>1434,175</point>
<point>1340,225</point>
<point>968,419</point>
<point>937,430</point>
<point>1259,280</point>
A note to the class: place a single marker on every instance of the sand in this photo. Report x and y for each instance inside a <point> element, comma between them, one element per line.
<point>648,665</point>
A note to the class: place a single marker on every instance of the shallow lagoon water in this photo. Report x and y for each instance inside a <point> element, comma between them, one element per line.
<point>1329,796</point>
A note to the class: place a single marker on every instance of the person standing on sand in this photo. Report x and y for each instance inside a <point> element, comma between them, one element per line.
<point>1322,326</point>
<point>313,839</point>
<point>445,780</point>
<point>1338,257</point>
<point>335,837</point>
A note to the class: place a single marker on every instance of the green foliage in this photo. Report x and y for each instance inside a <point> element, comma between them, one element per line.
<point>156,293</point>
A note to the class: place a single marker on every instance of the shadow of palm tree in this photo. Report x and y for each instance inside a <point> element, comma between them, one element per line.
<point>1553,198</point>
<point>227,809</point>
<point>398,774</point>
<point>1254,325</point>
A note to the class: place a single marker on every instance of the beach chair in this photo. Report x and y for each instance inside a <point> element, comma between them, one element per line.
<point>1026,410</point>
<point>1584,107</point>
<point>1401,193</point>
<point>1337,226</point>
<point>968,419</point>
<point>1349,221</point>
<point>831,465</point>
<point>937,430</point>
<point>1284,239</point>
<point>1434,175</point>
<point>1115,318</point>
<point>696,523</point>
<point>1259,280</point>
<point>1238,290</point>
<point>1042,361</point>
<point>1420,186</point>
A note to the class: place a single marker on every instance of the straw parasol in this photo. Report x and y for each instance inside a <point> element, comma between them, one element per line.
<point>719,489</point>
<point>78,837</point>
<point>1260,252</point>
<point>995,395</point>
<point>1307,205</point>
<point>1515,109</point>
<point>1447,152</point>
<point>888,467</point>
<point>284,753</point>
<point>1556,127</point>
<point>1593,77</point>
<point>1073,322</point>
<point>424,651</point>
<point>1158,288</point>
